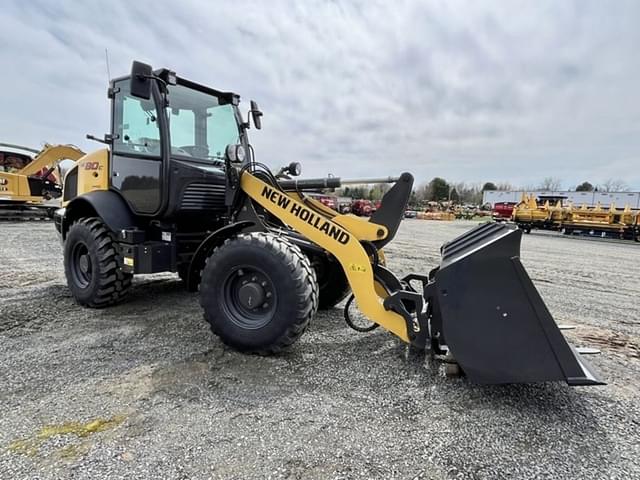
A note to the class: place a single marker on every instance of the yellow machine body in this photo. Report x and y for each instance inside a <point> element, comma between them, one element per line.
<point>92,173</point>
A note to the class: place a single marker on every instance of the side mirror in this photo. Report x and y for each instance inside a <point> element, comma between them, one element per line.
<point>256,114</point>
<point>140,83</point>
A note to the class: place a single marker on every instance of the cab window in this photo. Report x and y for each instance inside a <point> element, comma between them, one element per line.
<point>201,125</point>
<point>136,124</point>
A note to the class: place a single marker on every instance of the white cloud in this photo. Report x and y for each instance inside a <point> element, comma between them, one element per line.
<point>474,91</point>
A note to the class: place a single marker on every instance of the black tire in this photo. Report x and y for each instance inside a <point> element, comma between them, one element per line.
<point>183,271</point>
<point>282,298</point>
<point>332,282</point>
<point>92,264</point>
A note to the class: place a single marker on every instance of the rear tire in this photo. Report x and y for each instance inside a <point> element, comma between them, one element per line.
<point>258,292</point>
<point>92,264</point>
<point>332,282</point>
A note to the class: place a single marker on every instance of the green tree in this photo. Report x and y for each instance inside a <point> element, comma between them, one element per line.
<point>489,186</point>
<point>377,191</point>
<point>358,192</point>
<point>584,187</point>
<point>438,189</point>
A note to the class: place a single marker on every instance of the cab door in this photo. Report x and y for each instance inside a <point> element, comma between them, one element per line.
<point>137,150</point>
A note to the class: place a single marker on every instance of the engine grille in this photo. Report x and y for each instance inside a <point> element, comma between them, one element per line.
<point>71,184</point>
<point>203,196</point>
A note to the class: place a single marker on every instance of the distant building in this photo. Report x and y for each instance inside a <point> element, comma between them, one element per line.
<point>620,199</point>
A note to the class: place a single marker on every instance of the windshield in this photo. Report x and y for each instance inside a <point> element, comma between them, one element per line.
<point>201,125</point>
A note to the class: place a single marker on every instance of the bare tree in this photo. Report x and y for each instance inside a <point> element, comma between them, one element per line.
<point>505,186</point>
<point>613,185</point>
<point>469,192</point>
<point>550,184</point>
<point>422,192</point>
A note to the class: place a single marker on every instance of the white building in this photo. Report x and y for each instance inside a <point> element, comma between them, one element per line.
<point>620,199</point>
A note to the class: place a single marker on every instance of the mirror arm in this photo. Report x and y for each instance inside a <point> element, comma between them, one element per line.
<point>107,140</point>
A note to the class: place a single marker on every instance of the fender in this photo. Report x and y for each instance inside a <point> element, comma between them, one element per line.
<point>215,239</point>
<point>106,204</point>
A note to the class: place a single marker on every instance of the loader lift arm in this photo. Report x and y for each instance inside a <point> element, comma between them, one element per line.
<point>341,236</point>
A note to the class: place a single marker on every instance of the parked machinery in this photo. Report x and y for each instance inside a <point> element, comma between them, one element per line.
<point>28,184</point>
<point>178,189</point>
<point>594,221</point>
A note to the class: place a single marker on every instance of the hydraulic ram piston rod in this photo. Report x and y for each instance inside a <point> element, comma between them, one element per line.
<point>331,182</point>
<point>364,181</point>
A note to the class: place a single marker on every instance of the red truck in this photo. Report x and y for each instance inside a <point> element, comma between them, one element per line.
<point>327,200</point>
<point>363,208</point>
<point>502,210</point>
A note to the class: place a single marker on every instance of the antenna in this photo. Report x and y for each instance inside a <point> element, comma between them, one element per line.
<point>106,56</point>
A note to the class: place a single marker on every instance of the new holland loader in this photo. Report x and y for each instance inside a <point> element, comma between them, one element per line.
<point>177,188</point>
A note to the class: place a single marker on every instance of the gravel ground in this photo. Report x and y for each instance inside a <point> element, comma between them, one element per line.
<point>144,390</point>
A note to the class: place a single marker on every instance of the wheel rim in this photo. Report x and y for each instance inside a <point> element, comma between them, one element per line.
<point>81,265</point>
<point>250,298</point>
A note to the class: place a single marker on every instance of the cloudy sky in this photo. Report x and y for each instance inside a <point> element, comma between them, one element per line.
<point>471,91</point>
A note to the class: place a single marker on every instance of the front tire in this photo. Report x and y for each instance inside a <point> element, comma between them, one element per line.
<point>258,292</point>
<point>92,264</point>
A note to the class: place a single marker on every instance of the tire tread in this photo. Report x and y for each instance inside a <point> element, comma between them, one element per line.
<point>114,284</point>
<point>301,272</point>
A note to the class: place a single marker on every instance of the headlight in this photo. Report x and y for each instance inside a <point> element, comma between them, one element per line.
<point>235,153</point>
<point>295,169</point>
<point>240,153</point>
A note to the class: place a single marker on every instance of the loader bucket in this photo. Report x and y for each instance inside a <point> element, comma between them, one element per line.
<point>491,317</point>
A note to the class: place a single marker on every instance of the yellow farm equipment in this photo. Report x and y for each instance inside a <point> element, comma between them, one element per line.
<point>28,185</point>
<point>595,221</point>
<point>441,216</point>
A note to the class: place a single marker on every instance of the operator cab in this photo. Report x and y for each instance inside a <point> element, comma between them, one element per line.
<point>169,137</point>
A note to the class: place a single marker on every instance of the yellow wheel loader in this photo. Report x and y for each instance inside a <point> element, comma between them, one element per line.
<point>178,189</point>
<point>27,185</point>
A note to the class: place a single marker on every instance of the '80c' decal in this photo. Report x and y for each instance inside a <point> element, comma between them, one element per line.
<point>92,166</point>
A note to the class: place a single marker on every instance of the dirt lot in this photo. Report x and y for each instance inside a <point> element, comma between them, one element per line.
<point>144,390</point>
